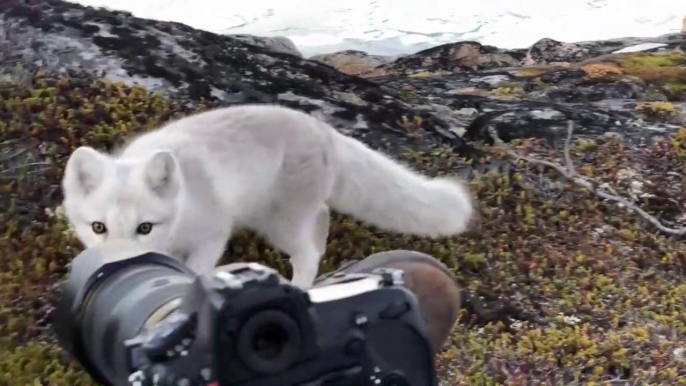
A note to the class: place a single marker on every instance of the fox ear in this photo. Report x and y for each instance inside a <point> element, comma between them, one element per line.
<point>84,171</point>
<point>160,174</point>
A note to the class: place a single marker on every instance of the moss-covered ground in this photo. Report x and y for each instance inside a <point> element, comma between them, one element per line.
<point>576,290</point>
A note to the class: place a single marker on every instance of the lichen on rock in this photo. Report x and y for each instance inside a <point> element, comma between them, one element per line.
<point>563,287</point>
<point>353,62</point>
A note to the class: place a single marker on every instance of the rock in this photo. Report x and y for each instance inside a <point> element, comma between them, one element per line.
<point>645,47</point>
<point>183,63</point>
<point>275,43</point>
<point>549,51</point>
<point>469,56</point>
<point>353,62</point>
<point>449,58</point>
<point>189,64</point>
<point>608,93</point>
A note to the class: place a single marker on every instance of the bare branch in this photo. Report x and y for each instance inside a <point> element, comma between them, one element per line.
<point>570,173</point>
<point>568,145</point>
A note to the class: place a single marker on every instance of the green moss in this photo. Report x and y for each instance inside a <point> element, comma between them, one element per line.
<point>508,91</point>
<point>43,121</point>
<point>661,69</point>
<point>659,110</point>
<point>38,363</point>
<point>676,91</point>
<point>609,283</point>
<point>667,60</point>
<point>422,74</point>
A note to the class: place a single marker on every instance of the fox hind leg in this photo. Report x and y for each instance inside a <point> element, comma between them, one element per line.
<point>297,232</point>
<point>300,229</point>
<point>296,220</point>
<point>321,228</point>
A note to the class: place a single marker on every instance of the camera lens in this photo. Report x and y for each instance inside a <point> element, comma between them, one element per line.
<point>269,342</point>
<point>105,303</point>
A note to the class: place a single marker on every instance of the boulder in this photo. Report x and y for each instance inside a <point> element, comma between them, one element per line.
<point>353,62</point>
<point>275,43</point>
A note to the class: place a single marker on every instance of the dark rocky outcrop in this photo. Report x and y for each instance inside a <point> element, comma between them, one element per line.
<point>185,63</point>
<point>561,286</point>
<point>469,55</point>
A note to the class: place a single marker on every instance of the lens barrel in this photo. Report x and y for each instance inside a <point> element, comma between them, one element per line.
<point>106,300</point>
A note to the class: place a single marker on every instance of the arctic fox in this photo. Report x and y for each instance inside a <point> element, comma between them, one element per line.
<point>183,188</point>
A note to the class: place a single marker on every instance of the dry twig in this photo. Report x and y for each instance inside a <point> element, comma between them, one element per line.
<point>570,173</point>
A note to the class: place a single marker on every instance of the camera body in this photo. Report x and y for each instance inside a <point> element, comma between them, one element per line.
<point>246,326</point>
<point>241,325</point>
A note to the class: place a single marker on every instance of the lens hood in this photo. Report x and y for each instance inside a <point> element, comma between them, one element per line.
<point>87,270</point>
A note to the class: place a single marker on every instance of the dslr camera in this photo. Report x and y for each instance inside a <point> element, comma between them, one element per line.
<point>133,317</point>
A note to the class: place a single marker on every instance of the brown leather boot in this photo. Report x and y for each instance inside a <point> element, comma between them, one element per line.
<point>438,293</point>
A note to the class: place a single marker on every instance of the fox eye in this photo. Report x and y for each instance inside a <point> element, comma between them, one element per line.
<point>144,228</point>
<point>98,227</point>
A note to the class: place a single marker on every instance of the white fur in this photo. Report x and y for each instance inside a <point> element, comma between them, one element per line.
<point>266,168</point>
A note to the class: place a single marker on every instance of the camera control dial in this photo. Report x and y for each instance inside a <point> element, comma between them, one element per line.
<point>165,340</point>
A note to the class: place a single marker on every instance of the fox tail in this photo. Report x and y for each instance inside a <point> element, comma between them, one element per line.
<point>377,190</point>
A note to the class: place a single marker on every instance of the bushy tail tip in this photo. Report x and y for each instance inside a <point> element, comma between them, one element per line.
<point>380,191</point>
